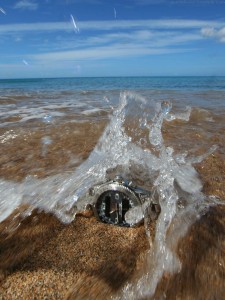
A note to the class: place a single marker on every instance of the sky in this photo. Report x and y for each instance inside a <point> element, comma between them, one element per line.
<point>79,38</point>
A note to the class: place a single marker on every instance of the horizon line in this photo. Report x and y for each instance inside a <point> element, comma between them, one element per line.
<point>119,76</point>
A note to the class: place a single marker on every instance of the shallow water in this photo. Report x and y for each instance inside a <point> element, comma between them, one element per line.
<point>56,143</point>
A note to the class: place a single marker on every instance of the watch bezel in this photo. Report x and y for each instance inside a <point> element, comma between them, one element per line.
<point>98,191</point>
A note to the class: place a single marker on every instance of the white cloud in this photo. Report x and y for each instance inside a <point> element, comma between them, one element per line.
<point>149,2</point>
<point>84,1</point>
<point>145,39</point>
<point>18,39</point>
<point>111,25</point>
<point>177,2</point>
<point>211,32</point>
<point>101,53</point>
<point>55,42</point>
<point>26,4</point>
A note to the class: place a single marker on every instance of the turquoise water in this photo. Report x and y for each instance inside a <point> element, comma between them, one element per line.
<point>112,83</point>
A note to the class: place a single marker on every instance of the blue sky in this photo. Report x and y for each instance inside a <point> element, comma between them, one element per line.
<point>67,38</point>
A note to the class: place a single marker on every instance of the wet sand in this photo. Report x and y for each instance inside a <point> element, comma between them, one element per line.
<point>202,253</point>
<point>45,259</point>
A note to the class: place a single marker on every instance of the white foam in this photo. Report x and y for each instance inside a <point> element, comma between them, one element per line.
<point>10,198</point>
<point>38,109</point>
<point>7,136</point>
<point>91,111</point>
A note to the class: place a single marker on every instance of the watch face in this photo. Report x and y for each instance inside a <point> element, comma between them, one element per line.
<point>112,206</point>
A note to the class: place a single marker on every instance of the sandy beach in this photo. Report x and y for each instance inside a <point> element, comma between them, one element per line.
<point>47,260</point>
<point>41,258</point>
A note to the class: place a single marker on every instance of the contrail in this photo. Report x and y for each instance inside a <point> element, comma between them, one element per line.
<point>74,24</point>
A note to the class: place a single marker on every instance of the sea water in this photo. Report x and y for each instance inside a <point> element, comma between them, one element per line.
<point>132,141</point>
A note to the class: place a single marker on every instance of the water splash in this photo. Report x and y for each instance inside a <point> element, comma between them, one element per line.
<point>76,29</point>
<point>2,10</point>
<point>121,146</point>
<point>47,119</point>
<point>25,62</point>
<point>176,177</point>
<point>115,13</point>
<point>46,141</point>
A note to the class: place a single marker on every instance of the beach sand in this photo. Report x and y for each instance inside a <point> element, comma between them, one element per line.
<point>45,259</point>
<point>41,258</point>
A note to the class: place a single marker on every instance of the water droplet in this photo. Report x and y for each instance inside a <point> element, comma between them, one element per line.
<point>46,140</point>
<point>166,107</point>
<point>47,119</point>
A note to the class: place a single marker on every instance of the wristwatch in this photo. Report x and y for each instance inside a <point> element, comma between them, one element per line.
<point>120,202</point>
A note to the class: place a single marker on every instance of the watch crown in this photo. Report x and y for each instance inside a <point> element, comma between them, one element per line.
<point>119,179</point>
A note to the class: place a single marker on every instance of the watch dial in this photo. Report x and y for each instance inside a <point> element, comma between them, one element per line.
<point>112,206</point>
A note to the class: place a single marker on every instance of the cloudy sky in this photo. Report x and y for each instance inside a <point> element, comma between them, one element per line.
<point>64,38</point>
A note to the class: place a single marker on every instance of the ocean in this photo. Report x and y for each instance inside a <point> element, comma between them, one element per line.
<point>33,98</point>
<point>59,137</point>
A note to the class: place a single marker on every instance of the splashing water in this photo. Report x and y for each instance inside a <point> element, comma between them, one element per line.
<point>76,29</point>
<point>3,11</point>
<point>173,176</point>
<point>46,140</point>
<point>47,119</point>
